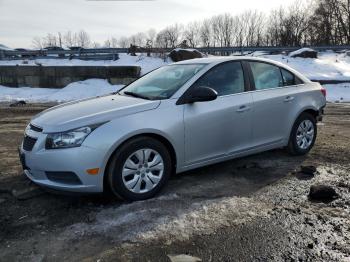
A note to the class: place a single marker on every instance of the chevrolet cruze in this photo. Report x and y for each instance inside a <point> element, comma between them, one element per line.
<point>176,118</point>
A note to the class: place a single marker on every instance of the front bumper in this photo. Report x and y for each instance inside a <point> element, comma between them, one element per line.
<point>39,165</point>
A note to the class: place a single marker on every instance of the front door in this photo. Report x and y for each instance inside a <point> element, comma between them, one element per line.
<point>217,128</point>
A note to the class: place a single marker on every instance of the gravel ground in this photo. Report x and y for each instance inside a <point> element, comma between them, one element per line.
<point>250,209</point>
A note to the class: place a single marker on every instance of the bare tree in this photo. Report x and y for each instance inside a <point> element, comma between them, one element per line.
<point>173,34</point>
<point>192,34</point>
<point>37,42</point>
<point>162,40</point>
<point>253,23</point>
<point>114,42</point>
<point>123,42</point>
<point>59,39</point>
<point>141,39</point>
<point>222,28</point>
<point>151,36</point>
<point>107,44</point>
<point>330,22</point>
<point>96,45</point>
<point>50,40</point>
<point>312,22</point>
<point>205,33</point>
<point>69,39</point>
<point>83,39</point>
<point>343,15</point>
<point>111,43</point>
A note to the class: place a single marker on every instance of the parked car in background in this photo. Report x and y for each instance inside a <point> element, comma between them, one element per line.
<point>24,50</point>
<point>176,118</point>
<point>76,48</point>
<point>55,48</point>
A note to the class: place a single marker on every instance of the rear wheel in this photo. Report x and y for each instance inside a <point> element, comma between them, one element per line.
<point>139,169</point>
<point>303,135</point>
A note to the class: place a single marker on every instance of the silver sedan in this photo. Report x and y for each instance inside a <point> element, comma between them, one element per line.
<point>176,118</point>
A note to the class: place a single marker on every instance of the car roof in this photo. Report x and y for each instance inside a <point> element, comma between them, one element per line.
<point>213,60</point>
<point>220,59</point>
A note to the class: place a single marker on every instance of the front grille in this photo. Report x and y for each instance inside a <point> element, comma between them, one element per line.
<point>28,143</point>
<point>69,178</point>
<point>35,128</point>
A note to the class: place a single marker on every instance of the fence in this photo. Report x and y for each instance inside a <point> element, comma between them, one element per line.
<point>113,53</point>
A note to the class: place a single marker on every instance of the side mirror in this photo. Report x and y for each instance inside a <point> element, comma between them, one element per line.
<point>198,94</point>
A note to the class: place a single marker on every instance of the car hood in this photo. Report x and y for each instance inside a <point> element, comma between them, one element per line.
<point>90,111</point>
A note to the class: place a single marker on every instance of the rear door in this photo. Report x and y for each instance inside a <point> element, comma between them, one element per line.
<point>216,128</point>
<point>273,102</point>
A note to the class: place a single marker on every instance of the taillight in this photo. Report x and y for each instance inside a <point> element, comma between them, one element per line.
<point>324,91</point>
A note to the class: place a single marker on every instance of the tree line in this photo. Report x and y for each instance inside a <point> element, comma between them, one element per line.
<point>310,22</point>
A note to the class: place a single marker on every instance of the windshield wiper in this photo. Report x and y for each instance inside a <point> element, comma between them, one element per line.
<point>136,95</point>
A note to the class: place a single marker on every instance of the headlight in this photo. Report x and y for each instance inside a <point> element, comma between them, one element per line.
<point>72,138</point>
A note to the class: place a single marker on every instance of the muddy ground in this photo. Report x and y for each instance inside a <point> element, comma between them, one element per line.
<point>250,209</point>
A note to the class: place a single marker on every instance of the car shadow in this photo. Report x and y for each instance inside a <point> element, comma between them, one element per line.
<point>237,177</point>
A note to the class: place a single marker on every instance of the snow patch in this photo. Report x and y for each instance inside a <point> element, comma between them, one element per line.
<point>338,92</point>
<point>328,66</point>
<point>74,91</point>
<point>157,218</point>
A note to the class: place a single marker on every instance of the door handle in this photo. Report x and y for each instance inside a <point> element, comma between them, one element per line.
<point>289,98</point>
<point>243,109</point>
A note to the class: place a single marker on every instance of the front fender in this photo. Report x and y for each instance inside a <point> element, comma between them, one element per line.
<point>126,137</point>
<point>167,123</point>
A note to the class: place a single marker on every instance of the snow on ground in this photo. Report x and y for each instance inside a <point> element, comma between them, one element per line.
<point>74,91</point>
<point>338,92</point>
<point>146,63</point>
<point>328,65</point>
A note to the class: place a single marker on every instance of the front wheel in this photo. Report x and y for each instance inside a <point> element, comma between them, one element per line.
<point>139,169</point>
<point>303,135</point>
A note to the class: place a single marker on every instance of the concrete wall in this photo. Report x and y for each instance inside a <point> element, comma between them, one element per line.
<point>60,76</point>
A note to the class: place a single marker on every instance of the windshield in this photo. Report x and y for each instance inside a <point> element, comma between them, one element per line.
<point>163,82</point>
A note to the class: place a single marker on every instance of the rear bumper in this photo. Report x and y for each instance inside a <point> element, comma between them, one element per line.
<point>320,115</point>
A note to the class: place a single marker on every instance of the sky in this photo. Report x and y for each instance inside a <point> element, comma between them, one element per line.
<point>22,20</point>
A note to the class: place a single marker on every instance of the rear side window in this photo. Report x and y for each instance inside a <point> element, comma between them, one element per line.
<point>226,79</point>
<point>266,75</point>
<point>289,78</point>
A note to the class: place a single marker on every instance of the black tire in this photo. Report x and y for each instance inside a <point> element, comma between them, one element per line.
<point>293,147</point>
<point>114,171</point>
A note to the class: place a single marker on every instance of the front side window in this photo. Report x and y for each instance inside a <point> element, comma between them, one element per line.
<point>266,75</point>
<point>163,82</point>
<point>226,79</point>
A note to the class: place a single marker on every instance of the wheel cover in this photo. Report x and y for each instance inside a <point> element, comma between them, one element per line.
<point>305,134</point>
<point>143,170</point>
